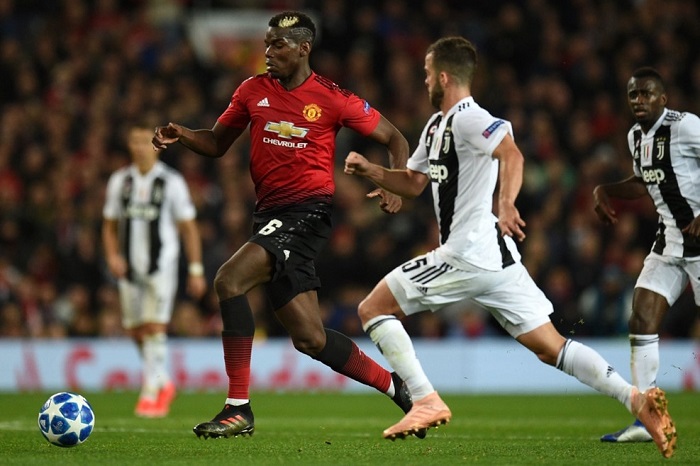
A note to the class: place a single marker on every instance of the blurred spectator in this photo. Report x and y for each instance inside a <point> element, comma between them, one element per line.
<point>606,305</point>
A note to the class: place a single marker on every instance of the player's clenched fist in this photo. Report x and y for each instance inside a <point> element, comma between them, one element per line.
<point>165,135</point>
<point>355,164</point>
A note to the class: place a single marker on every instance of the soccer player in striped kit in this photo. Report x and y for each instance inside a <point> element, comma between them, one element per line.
<point>294,116</point>
<point>147,211</point>
<point>463,153</point>
<point>665,148</point>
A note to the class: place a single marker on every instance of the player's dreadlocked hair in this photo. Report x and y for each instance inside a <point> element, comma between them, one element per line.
<point>302,28</point>
<point>648,72</point>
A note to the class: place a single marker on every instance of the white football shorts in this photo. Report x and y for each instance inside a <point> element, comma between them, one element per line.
<point>148,299</point>
<point>428,283</point>
<point>668,276</point>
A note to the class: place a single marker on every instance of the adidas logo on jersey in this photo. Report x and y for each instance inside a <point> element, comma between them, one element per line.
<point>264,103</point>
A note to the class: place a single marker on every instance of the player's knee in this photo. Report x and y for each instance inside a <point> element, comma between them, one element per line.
<point>309,344</point>
<point>225,284</point>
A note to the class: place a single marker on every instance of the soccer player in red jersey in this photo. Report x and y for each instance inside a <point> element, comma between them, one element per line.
<point>294,116</point>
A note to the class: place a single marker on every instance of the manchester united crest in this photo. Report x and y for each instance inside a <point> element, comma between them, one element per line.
<point>312,112</point>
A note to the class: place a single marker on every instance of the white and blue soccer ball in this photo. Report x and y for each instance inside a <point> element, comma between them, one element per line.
<point>66,419</point>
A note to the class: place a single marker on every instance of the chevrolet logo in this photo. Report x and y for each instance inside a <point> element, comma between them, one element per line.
<point>286,129</point>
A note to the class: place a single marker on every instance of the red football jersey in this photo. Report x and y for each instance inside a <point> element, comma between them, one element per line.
<point>293,135</point>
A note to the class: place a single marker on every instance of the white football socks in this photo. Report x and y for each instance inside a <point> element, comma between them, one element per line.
<point>644,360</point>
<point>590,368</point>
<point>236,401</point>
<point>390,336</point>
<point>155,360</point>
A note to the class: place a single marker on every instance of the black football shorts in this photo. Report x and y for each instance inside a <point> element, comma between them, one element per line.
<point>294,236</point>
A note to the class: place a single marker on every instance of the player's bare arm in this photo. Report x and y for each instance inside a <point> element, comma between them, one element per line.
<point>192,245</point>
<point>630,188</point>
<point>405,183</point>
<point>510,178</point>
<point>115,261</point>
<point>166,135</point>
<point>387,134</point>
<point>208,142</point>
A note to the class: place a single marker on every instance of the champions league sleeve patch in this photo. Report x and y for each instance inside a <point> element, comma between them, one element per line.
<point>366,107</point>
<point>489,131</point>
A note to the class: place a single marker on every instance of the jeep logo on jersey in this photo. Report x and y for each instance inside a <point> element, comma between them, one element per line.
<point>653,175</point>
<point>146,212</point>
<point>438,172</point>
<point>286,129</point>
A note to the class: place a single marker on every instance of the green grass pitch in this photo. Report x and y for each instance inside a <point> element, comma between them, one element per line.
<point>335,429</point>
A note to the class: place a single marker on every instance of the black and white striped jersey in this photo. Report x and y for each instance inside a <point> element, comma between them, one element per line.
<point>455,151</point>
<point>148,208</point>
<point>667,159</point>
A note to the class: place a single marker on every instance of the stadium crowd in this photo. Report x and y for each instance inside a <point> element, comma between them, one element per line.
<point>73,73</point>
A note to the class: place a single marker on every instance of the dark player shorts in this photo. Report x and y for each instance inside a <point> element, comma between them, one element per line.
<point>294,236</point>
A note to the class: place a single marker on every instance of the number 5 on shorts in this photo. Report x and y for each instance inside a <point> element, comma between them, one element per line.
<point>414,264</point>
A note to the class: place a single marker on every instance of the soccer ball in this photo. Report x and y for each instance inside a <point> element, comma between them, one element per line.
<point>66,419</point>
